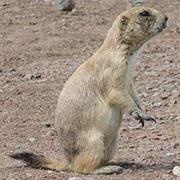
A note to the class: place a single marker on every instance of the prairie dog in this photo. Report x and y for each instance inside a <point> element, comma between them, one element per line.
<point>93,100</point>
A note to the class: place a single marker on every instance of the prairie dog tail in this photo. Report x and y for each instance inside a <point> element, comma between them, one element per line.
<point>40,162</point>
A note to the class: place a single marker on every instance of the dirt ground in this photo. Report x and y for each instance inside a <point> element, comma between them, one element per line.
<point>41,47</point>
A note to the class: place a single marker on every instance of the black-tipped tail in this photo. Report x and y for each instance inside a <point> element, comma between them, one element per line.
<point>40,162</point>
<point>30,159</point>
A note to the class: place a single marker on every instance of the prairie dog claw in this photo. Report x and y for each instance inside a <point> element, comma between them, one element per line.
<point>143,117</point>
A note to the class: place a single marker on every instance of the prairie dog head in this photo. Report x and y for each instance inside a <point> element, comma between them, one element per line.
<point>136,25</point>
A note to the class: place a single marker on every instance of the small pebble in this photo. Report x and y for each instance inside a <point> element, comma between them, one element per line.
<point>74,178</point>
<point>12,70</point>
<point>175,145</point>
<point>28,175</point>
<point>169,154</point>
<point>137,2</point>
<point>32,140</point>
<point>49,171</point>
<point>37,76</point>
<point>65,5</point>
<point>47,125</point>
<point>28,76</point>
<point>176,171</point>
<point>165,96</point>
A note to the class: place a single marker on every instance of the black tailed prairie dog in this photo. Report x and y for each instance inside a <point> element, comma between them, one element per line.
<point>93,100</point>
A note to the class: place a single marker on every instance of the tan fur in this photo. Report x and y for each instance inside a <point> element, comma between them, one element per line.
<point>93,100</point>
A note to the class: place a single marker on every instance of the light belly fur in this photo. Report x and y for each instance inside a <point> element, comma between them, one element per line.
<point>110,123</point>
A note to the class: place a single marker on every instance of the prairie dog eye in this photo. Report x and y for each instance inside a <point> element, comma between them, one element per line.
<point>144,13</point>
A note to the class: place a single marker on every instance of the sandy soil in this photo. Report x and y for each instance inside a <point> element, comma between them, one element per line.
<point>40,48</point>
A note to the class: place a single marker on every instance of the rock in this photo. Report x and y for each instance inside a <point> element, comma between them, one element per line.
<point>175,145</point>
<point>157,104</point>
<point>74,178</point>
<point>32,76</point>
<point>32,140</point>
<point>176,171</point>
<point>51,133</point>
<point>165,96</point>
<point>12,70</point>
<point>4,4</point>
<point>137,2</point>
<point>149,150</point>
<point>142,137</point>
<point>28,175</point>
<point>65,5</point>
<point>159,134</point>
<point>37,76</point>
<point>49,172</point>
<point>131,146</point>
<point>109,170</point>
<point>47,125</point>
<point>48,1</point>
<point>28,76</point>
<point>170,154</point>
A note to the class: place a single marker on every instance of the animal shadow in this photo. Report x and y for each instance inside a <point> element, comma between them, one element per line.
<point>145,167</point>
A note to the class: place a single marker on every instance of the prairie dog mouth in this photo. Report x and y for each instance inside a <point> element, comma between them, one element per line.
<point>161,27</point>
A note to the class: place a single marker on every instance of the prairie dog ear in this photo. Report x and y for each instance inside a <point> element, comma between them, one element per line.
<point>124,22</point>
